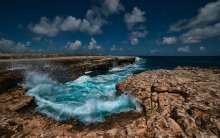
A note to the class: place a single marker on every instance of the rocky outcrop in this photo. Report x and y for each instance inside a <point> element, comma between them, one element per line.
<point>10,79</point>
<point>78,67</point>
<point>184,102</point>
<point>60,68</point>
<point>17,118</point>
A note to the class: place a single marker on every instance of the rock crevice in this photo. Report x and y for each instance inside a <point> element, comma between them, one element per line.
<point>181,102</point>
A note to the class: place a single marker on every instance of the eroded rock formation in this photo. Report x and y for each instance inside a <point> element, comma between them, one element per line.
<point>184,102</point>
<point>178,103</point>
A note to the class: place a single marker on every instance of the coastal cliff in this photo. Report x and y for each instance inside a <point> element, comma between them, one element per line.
<point>183,102</point>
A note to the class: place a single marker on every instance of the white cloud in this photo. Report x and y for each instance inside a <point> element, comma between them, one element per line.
<point>70,23</point>
<point>169,40</point>
<point>90,28</point>
<point>111,6</point>
<point>92,24</point>
<point>6,44</point>
<point>114,48</point>
<point>134,22</point>
<point>138,34</point>
<point>203,26</point>
<point>134,41</point>
<point>93,45</point>
<point>22,46</point>
<point>135,17</point>
<point>196,35</point>
<point>10,45</point>
<point>178,26</point>
<point>50,28</point>
<point>202,48</point>
<point>210,13</point>
<point>46,27</point>
<point>206,15</point>
<point>184,49</point>
<point>74,45</point>
<point>135,35</point>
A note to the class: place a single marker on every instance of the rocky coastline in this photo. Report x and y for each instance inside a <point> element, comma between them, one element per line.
<point>184,102</point>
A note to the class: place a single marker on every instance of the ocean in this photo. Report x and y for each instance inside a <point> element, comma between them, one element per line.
<point>171,62</point>
<point>91,97</point>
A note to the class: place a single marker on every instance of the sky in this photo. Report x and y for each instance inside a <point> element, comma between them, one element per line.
<point>111,27</point>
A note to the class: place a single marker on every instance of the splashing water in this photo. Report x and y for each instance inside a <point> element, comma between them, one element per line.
<point>89,99</point>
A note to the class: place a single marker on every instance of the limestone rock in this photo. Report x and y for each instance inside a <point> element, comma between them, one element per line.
<point>183,102</point>
<point>179,102</point>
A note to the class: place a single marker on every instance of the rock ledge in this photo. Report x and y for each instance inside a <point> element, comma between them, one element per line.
<point>184,102</point>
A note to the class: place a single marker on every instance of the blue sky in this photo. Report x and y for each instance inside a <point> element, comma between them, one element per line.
<point>116,27</point>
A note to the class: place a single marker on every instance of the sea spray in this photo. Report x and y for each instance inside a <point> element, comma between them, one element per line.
<point>56,71</point>
<point>88,99</point>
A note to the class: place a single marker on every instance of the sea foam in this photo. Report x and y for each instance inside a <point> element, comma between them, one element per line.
<point>88,99</point>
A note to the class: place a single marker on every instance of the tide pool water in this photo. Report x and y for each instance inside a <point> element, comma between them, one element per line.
<point>90,98</point>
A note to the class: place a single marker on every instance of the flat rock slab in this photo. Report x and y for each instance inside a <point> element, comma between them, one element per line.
<point>182,102</point>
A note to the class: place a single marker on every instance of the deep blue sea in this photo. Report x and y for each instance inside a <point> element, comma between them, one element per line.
<point>91,97</point>
<point>170,62</point>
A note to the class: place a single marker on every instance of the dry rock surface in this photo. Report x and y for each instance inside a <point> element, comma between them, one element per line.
<point>184,102</point>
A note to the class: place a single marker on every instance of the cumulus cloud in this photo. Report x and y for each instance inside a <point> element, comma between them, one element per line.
<point>114,48</point>
<point>70,23</point>
<point>135,35</point>
<point>206,15</point>
<point>74,45</point>
<point>138,34</point>
<point>202,48</point>
<point>134,41</point>
<point>184,49</point>
<point>205,25</point>
<point>91,24</point>
<point>111,6</point>
<point>134,22</point>
<point>169,40</point>
<point>22,46</point>
<point>6,44</point>
<point>196,35</point>
<point>93,45</point>
<point>135,17</point>
<point>10,45</point>
<point>46,27</point>
<point>178,26</point>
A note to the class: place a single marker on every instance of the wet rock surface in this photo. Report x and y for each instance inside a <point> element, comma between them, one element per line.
<point>184,102</point>
<point>178,103</point>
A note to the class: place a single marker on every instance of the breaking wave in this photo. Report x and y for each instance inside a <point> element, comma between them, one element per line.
<point>89,98</point>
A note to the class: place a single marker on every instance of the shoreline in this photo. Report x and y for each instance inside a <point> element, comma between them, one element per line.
<point>183,102</point>
<point>153,88</point>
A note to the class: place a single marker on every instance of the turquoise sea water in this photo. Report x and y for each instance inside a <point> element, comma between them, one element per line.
<point>91,97</point>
